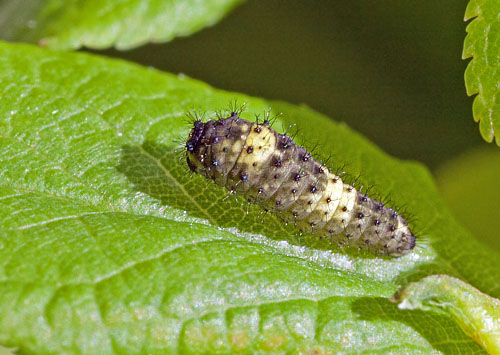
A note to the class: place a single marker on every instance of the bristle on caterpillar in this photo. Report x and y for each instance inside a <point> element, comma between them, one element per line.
<point>269,169</point>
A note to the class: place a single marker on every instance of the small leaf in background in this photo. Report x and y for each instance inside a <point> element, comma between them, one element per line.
<point>476,313</point>
<point>108,245</point>
<point>71,24</point>
<point>482,76</point>
<point>470,186</point>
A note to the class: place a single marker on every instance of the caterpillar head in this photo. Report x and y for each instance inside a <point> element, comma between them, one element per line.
<point>193,143</point>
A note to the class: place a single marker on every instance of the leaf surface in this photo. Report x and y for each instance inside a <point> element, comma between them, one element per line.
<point>109,245</point>
<point>71,24</point>
<point>476,313</point>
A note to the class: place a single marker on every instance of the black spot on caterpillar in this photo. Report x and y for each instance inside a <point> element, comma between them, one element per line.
<point>270,170</point>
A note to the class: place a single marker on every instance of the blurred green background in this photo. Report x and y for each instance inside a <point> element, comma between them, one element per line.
<point>390,69</point>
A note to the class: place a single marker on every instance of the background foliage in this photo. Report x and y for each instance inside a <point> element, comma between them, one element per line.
<point>481,77</point>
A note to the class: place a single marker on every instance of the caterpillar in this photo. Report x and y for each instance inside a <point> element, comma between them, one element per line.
<point>270,170</point>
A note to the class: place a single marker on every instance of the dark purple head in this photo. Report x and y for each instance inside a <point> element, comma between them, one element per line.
<point>193,142</point>
<point>194,136</point>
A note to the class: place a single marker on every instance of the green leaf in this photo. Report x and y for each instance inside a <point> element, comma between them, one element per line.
<point>108,244</point>
<point>482,75</point>
<point>474,197</point>
<point>71,24</point>
<point>476,313</point>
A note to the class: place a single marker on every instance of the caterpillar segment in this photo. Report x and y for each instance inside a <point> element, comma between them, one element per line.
<point>269,169</point>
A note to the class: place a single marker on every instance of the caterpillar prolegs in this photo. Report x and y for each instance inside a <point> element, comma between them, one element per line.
<point>270,170</point>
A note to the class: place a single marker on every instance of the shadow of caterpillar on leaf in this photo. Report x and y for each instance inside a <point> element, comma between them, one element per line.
<point>160,172</point>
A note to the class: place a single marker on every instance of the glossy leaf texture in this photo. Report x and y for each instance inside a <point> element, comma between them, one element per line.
<point>109,245</point>
<point>482,76</point>
<point>476,313</point>
<point>62,24</point>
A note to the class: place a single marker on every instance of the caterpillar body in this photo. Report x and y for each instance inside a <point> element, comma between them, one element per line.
<point>269,169</point>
